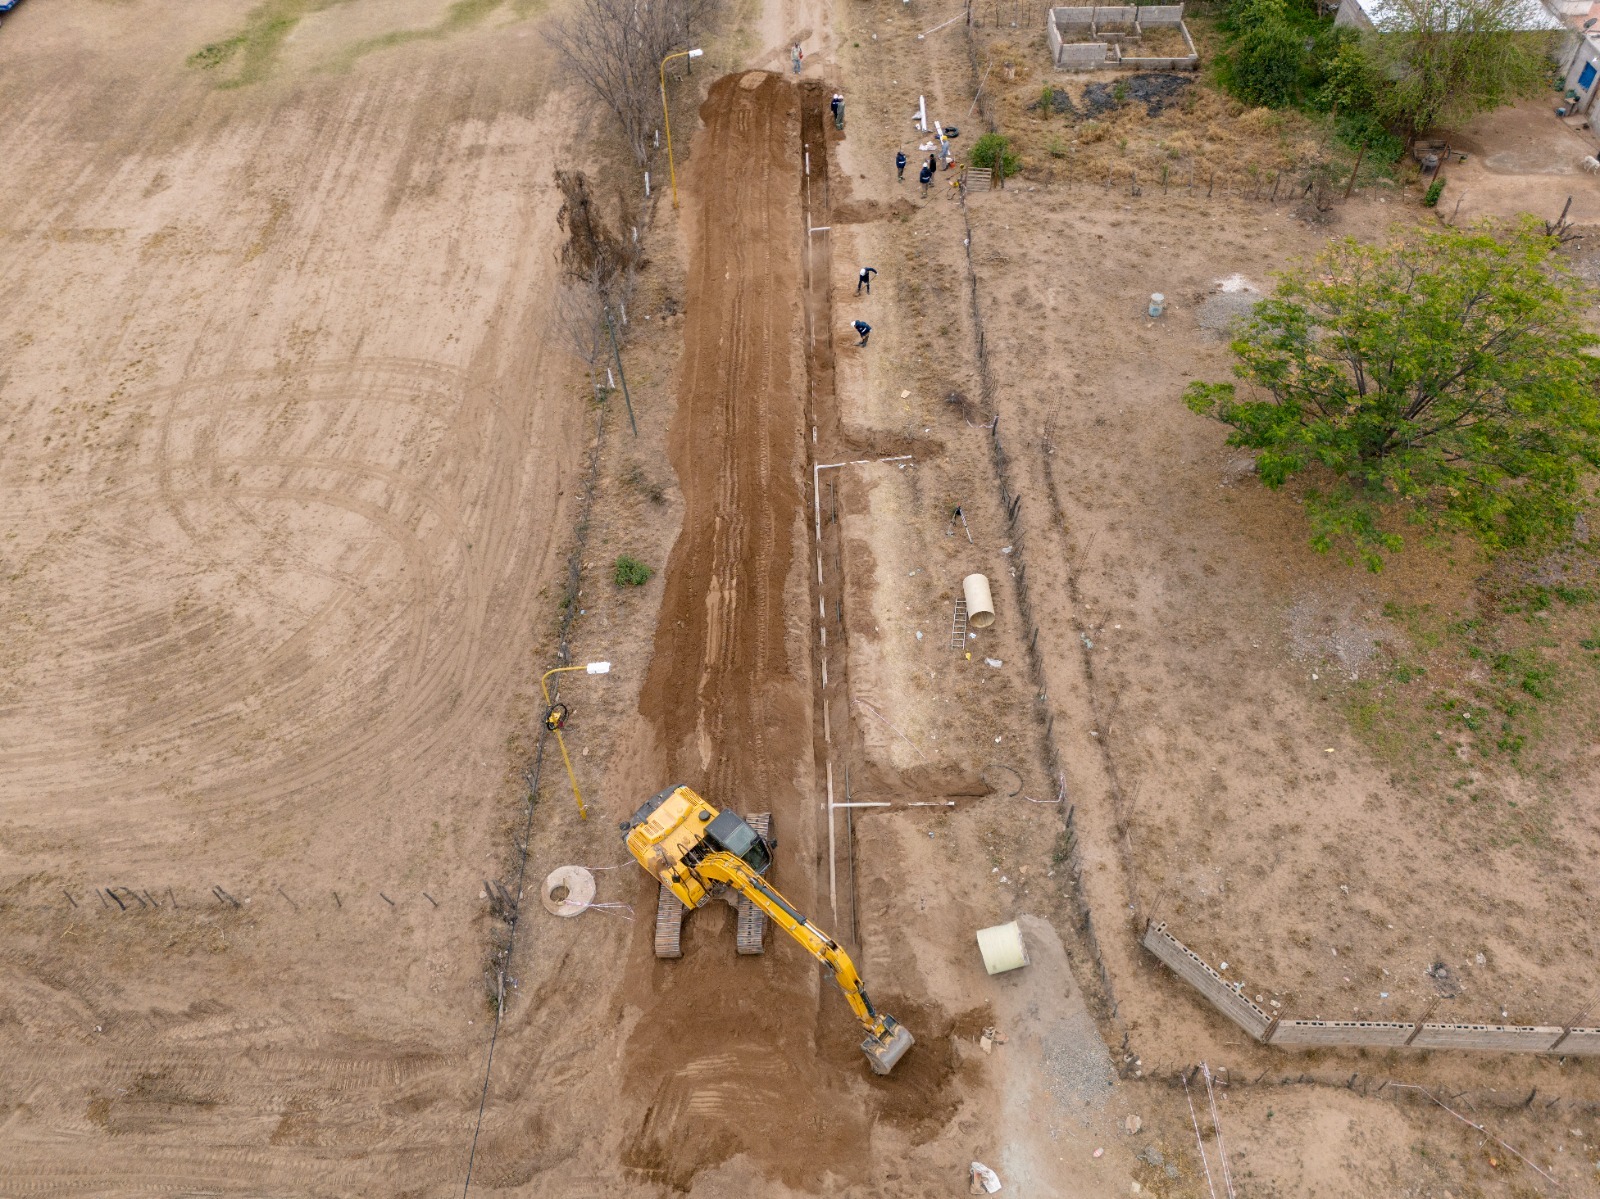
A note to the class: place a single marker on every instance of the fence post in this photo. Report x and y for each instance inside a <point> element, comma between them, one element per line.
<point>1355,170</point>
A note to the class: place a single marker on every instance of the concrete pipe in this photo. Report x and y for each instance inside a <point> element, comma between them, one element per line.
<point>980,604</point>
<point>577,891</point>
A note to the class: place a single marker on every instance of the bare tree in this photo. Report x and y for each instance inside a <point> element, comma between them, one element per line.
<point>580,318</point>
<point>616,48</point>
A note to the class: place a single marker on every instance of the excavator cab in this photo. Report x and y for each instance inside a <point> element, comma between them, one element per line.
<point>677,829</point>
<point>697,852</point>
<point>728,831</point>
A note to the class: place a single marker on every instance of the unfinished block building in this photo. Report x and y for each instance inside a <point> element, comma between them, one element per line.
<point>1142,38</point>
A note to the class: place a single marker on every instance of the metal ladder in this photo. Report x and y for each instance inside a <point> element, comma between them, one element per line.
<point>958,629</point>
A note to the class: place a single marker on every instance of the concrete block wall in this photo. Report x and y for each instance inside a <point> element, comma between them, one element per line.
<point>1582,1042</point>
<point>1081,56</point>
<point>1190,967</point>
<point>1066,29</point>
<point>1190,63</point>
<point>1486,1036</point>
<point>1071,17</point>
<point>1376,1033</point>
<point>1228,999</point>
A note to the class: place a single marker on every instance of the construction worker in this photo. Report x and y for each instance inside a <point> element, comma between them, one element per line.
<point>926,176</point>
<point>797,56</point>
<point>864,279</point>
<point>900,166</point>
<point>837,104</point>
<point>865,331</point>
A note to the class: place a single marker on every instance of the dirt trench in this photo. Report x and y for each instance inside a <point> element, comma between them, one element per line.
<point>748,1055</point>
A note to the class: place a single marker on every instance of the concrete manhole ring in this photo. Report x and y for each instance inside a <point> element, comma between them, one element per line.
<point>579,891</point>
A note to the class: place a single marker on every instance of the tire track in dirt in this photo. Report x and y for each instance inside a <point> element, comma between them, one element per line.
<point>728,688</point>
<point>259,456</point>
<point>288,437</point>
<point>755,1055</point>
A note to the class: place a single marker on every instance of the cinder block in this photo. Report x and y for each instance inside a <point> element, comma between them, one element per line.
<point>1583,1042</point>
<point>1371,1033</point>
<point>1494,1037</point>
<point>1192,968</point>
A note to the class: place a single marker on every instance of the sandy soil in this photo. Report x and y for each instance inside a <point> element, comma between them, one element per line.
<point>290,471</point>
<point>1520,159</point>
<point>718,1059</point>
<point>1185,621</point>
<point>284,469</point>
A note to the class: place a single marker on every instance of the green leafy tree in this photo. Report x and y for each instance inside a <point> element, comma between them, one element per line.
<point>992,150</point>
<point>1442,62</point>
<point>1349,81</point>
<point>1266,54</point>
<point>1448,378</point>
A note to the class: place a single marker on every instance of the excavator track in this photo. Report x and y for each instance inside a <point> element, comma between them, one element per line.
<point>669,925</point>
<point>752,923</point>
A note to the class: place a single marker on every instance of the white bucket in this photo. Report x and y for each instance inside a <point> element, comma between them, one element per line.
<point>1158,304</point>
<point>1002,948</point>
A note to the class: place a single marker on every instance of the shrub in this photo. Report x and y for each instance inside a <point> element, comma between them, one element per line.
<point>992,150</point>
<point>1431,198</point>
<point>630,572</point>
<point>1266,58</point>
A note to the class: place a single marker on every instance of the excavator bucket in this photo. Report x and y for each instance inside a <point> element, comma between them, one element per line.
<point>886,1050</point>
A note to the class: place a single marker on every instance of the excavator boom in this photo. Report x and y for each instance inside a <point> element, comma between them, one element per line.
<point>694,850</point>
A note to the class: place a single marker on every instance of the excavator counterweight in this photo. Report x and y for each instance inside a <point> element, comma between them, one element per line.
<point>698,852</point>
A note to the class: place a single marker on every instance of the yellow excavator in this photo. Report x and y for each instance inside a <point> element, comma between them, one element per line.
<point>698,853</point>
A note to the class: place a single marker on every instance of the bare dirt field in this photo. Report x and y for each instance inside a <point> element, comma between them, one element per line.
<point>285,464</point>
<point>292,463</point>
<point>1225,699</point>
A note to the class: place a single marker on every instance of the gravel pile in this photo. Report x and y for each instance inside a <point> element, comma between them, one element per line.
<point>1329,629</point>
<point>1076,1066</point>
<point>1222,312</point>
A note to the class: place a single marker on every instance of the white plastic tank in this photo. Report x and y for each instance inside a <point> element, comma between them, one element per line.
<point>1158,303</point>
<point>980,603</point>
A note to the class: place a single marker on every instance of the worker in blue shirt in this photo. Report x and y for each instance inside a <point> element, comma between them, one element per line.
<point>864,329</point>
